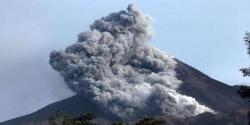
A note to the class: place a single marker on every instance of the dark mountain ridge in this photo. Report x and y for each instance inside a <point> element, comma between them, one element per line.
<point>210,92</point>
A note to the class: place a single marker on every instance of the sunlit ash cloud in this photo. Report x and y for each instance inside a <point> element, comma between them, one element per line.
<point>114,67</point>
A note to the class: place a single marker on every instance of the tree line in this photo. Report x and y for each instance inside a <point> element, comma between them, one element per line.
<point>62,118</point>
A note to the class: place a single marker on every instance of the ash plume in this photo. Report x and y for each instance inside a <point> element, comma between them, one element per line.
<point>114,67</point>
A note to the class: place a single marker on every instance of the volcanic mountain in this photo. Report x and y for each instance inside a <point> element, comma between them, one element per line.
<point>217,95</point>
<point>118,76</point>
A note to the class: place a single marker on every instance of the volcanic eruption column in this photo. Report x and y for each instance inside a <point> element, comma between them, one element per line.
<point>114,67</point>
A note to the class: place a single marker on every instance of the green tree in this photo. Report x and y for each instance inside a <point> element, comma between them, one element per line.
<point>150,121</point>
<point>245,90</point>
<point>119,123</point>
<point>67,120</point>
<point>52,120</point>
<point>84,119</point>
<point>246,71</point>
<point>61,118</point>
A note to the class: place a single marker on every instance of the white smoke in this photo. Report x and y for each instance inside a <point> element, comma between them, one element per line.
<point>113,66</point>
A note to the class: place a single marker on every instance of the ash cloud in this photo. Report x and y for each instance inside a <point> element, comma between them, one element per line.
<point>113,66</point>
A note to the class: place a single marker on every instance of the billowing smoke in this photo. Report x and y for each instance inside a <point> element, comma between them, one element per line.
<point>113,66</point>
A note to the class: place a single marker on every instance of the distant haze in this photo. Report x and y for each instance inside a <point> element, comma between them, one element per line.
<point>206,34</point>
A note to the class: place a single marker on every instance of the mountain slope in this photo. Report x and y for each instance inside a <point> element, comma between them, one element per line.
<point>217,95</point>
<point>75,106</point>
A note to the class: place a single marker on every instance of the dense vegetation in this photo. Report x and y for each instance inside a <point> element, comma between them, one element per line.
<point>61,118</point>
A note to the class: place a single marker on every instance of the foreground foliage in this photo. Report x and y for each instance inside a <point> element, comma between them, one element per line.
<point>61,118</point>
<point>245,90</point>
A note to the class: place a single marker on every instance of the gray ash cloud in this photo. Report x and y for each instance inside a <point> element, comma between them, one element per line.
<point>115,67</point>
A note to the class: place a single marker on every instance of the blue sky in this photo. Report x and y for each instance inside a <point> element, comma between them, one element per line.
<point>206,34</point>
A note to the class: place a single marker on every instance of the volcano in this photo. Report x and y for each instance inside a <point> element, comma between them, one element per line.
<point>224,99</point>
<point>118,76</point>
